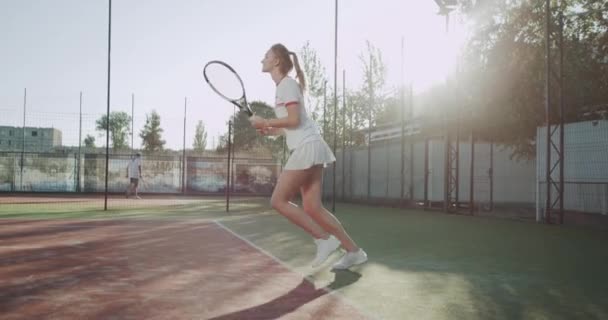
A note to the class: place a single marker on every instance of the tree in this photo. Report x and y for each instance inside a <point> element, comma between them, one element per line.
<point>200,137</point>
<point>374,74</point>
<point>390,113</point>
<point>89,141</point>
<point>245,137</point>
<point>316,79</point>
<point>503,80</point>
<point>151,133</point>
<point>120,127</point>
<point>357,113</point>
<point>358,104</point>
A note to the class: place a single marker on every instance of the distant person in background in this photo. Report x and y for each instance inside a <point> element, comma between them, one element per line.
<point>134,174</point>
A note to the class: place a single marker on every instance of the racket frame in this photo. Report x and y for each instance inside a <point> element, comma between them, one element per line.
<point>241,102</point>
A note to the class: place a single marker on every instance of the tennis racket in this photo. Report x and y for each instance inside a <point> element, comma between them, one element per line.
<point>143,184</point>
<point>224,80</point>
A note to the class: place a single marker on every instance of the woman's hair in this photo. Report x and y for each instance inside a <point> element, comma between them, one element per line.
<point>285,63</point>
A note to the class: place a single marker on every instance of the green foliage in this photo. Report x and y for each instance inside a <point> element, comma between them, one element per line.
<point>502,85</point>
<point>246,138</point>
<point>316,79</point>
<point>120,126</point>
<point>151,134</point>
<point>89,142</point>
<point>200,137</point>
<point>498,89</point>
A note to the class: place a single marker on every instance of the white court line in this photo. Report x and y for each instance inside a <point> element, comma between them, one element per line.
<point>333,293</point>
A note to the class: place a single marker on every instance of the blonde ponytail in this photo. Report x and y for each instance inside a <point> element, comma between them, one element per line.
<point>286,64</point>
<point>299,73</point>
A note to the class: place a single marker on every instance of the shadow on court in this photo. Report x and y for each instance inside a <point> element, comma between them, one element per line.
<point>302,294</point>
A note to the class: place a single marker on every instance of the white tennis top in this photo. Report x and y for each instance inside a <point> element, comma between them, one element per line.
<point>288,95</point>
<point>134,168</point>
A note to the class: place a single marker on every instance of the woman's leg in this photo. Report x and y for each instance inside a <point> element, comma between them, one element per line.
<point>288,185</point>
<point>311,199</point>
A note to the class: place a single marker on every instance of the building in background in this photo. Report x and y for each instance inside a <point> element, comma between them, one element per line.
<point>36,139</point>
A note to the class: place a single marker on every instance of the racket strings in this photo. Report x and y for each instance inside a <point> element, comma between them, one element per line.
<point>224,81</point>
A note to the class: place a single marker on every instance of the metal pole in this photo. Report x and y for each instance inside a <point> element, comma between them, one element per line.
<point>132,121</point>
<point>491,174</point>
<point>402,178</point>
<point>351,151</point>
<point>324,127</point>
<point>184,148</point>
<point>233,148</point>
<point>426,172</point>
<point>105,199</point>
<point>343,132</point>
<point>456,166</point>
<point>411,115</point>
<point>228,169</point>
<point>456,159</point>
<point>386,169</point>
<point>333,196</point>
<point>472,181</point>
<point>369,131</point>
<point>447,163</point>
<point>325,110</point>
<point>23,140</point>
<point>78,187</point>
<point>561,113</point>
<point>446,167</point>
<point>548,108</point>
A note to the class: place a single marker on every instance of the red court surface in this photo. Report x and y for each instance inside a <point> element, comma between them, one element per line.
<point>136,269</point>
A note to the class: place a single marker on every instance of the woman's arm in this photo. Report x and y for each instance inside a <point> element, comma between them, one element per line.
<point>269,131</point>
<point>291,121</point>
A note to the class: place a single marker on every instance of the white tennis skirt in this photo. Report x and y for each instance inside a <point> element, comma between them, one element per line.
<point>310,154</point>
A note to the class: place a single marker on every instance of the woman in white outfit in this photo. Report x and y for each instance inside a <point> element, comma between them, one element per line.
<point>303,171</point>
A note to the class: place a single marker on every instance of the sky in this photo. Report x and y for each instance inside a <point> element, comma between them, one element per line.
<point>57,49</point>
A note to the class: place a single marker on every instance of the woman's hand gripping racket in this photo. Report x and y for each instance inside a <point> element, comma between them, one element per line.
<point>222,78</point>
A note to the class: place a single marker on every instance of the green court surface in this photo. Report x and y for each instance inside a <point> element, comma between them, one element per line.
<point>423,265</point>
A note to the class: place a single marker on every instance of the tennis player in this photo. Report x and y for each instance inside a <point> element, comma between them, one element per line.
<point>134,174</point>
<point>303,171</point>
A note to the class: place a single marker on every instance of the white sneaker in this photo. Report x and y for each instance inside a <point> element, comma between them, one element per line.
<point>324,248</point>
<point>351,259</point>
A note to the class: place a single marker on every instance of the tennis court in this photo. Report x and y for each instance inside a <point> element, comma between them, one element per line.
<point>195,261</point>
<point>470,141</point>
